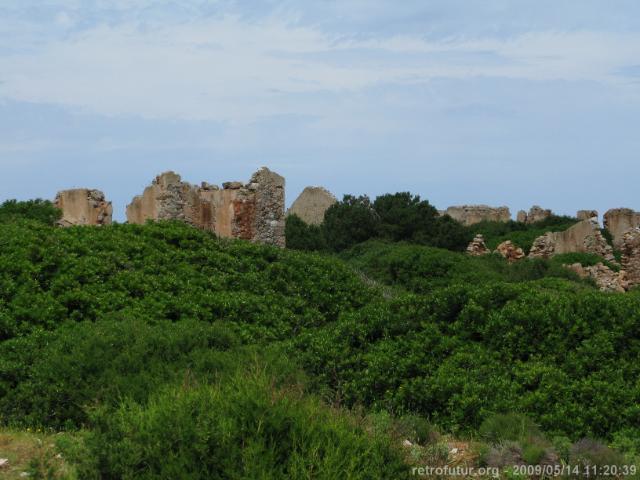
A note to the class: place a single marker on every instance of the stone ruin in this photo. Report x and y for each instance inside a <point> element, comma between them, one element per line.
<point>82,206</point>
<point>252,211</point>
<point>472,214</point>
<point>583,237</point>
<point>311,205</point>
<point>509,251</point>
<point>618,221</point>
<point>606,279</point>
<point>477,247</point>
<point>631,255</point>
<point>586,214</point>
<point>535,214</point>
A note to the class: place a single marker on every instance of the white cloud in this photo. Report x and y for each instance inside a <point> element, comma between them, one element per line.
<point>233,70</point>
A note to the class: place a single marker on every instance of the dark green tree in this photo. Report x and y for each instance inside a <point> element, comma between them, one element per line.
<point>351,221</point>
<point>301,236</point>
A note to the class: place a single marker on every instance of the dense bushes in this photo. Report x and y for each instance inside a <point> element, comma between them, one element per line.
<point>100,326</point>
<point>242,428</point>
<point>565,357</point>
<point>422,269</point>
<point>49,378</point>
<point>165,272</point>
<point>41,211</point>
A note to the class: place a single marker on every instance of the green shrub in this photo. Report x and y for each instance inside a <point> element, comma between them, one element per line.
<point>509,426</point>
<point>241,428</point>
<point>52,378</point>
<point>300,236</point>
<point>41,211</point>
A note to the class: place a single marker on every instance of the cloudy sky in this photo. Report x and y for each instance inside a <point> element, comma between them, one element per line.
<point>504,102</point>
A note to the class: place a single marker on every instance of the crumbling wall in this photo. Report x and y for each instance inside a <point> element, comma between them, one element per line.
<point>606,280</point>
<point>535,214</point>
<point>631,255</point>
<point>586,214</point>
<point>311,205</point>
<point>82,206</point>
<point>620,220</point>
<point>471,214</point>
<point>254,211</point>
<point>583,237</point>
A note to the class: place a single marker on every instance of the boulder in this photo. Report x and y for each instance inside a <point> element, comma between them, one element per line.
<point>311,205</point>
<point>82,206</point>
<point>509,251</point>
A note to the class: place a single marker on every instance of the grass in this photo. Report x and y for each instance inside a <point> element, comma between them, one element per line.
<point>33,455</point>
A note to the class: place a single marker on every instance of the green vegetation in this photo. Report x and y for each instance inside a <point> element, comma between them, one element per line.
<point>164,352</point>
<point>41,211</point>
<point>402,217</point>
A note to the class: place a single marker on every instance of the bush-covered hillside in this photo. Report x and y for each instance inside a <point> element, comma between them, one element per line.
<point>169,353</point>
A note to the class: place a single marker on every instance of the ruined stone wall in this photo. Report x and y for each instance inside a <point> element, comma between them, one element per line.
<point>631,255</point>
<point>311,205</point>
<point>586,214</point>
<point>83,206</point>
<point>583,237</point>
<point>620,220</point>
<point>535,214</point>
<point>254,211</point>
<point>471,214</point>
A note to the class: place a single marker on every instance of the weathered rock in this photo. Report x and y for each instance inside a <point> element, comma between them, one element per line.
<point>471,214</point>
<point>584,237</point>
<point>311,205</point>
<point>82,206</point>
<point>509,251</point>
<point>631,255</point>
<point>586,214</point>
<point>606,279</point>
<point>618,221</point>
<point>522,216</point>
<point>477,247</point>
<point>254,211</point>
<point>535,214</point>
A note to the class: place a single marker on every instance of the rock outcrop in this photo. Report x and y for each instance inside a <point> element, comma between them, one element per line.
<point>535,214</point>
<point>477,247</point>
<point>631,255</point>
<point>618,221</point>
<point>509,251</point>
<point>584,237</point>
<point>252,211</point>
<point>311,205</point>
<point>586,214</point>
<point>471,214</point>
<point>82,206</point>
<point>607,280</point>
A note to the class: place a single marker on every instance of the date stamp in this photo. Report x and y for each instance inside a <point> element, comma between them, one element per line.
<point>524,471</point>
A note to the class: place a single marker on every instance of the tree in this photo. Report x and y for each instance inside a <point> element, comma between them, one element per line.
<point>350,221</point>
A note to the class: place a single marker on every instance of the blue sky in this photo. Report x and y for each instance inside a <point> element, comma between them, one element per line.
<point>501,102</point>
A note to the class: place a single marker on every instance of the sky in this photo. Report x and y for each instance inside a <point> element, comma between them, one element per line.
<point>499,102</point>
